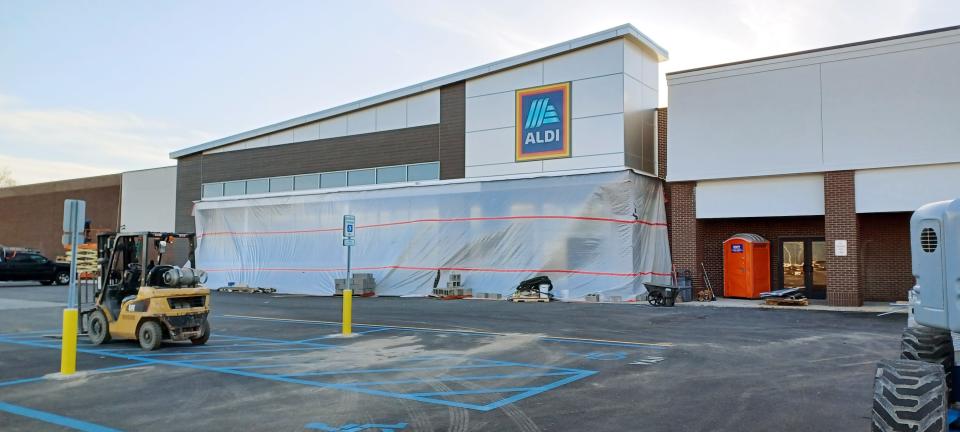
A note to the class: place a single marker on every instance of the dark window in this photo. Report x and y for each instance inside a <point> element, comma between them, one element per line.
<point>23,258</point>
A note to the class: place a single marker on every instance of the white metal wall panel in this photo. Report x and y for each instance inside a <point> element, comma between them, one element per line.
<point>585,162</point>
<point>597,96</point>
<point>423,109</point>
<point>392,115</point>
<point>757,124</point>
<point>792,195</point>
<point>905,188</point>
<point>509,80</point>
<point>883,104</point>
<point>418,110</point>
<point>598,60</point>
<point>282,137</point>
<point>504,169</point>
<point>597,135</point>
<point>361,122</point>
<point>641,64</point>
<point>900,108</point>
<point>307,132</point>
<point>490,112</point>
<point>488,147</point>
<point>148,200</point>
<point>335,127</point>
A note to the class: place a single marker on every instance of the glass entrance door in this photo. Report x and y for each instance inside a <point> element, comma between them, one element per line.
<point>804,265</point>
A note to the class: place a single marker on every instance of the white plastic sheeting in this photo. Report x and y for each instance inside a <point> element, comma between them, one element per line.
<point>590,233</point>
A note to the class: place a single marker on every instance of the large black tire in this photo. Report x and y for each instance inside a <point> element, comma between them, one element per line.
<point>62,278</point>
<point>98,328</point>
<point>909,395</point>
<point>929,345</point>
<point>150,335</point>
<point>204,334</point>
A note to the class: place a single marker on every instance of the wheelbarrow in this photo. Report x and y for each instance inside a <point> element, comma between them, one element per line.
<point>661,295</point>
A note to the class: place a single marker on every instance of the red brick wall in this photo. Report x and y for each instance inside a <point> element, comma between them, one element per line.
<point>885,256</point>
<point>713,232</point>
<point>683,229</point>
<point>662,143</point>
<point>32,215</point>
<point>840,222</point>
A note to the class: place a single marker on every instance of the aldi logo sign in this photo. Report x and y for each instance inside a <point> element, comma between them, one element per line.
<point>543,122</point>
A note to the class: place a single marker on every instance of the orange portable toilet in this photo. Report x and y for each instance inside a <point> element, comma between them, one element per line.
<point>746,266</point>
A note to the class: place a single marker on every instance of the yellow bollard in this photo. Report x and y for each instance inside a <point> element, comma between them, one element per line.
<point>68,351</point>
<point>347,312</point>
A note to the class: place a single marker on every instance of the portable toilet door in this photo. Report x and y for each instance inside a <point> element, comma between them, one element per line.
<point>746,266</point>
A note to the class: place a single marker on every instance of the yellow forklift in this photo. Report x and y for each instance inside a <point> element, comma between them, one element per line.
<point>146,300</point>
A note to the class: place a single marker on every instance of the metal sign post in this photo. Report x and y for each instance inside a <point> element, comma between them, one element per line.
<point>73,218</point>
<point>349,231</point>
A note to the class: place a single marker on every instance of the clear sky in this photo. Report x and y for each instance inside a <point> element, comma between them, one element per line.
<point>96,87</point>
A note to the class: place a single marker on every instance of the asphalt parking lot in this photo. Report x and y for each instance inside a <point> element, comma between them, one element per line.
<point>275,363</point>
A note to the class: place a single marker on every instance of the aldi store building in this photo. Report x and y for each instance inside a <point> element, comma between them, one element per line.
<point>544,163</point>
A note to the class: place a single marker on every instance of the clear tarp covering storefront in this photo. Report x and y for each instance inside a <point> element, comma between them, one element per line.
<point>601,232</point>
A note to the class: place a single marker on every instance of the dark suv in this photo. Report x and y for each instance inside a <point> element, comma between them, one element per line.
<point>31,266</point>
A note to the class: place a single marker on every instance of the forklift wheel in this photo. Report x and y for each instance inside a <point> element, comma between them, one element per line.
<point>204,334</point>
<point>909,395</point>
<point>150,335</point>
<point>99,331</point>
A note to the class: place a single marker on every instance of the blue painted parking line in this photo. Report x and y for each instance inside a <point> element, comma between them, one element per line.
<point>463,378</point>
<point>21,381</point>
<point>373,371</point>
<point>187,353</point>
<point>477,391</point>
<point>54,418</point>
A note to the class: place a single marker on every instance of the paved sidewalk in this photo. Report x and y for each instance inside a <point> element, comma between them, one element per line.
<point>818,305</point>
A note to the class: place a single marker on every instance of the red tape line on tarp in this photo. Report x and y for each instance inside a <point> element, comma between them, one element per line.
<point>466,219</point>
<point>463,269</point>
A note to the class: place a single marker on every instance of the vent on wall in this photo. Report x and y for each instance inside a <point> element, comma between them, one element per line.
<point>928,239</point>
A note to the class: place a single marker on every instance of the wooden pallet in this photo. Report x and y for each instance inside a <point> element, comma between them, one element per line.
<point>529,300</point>
<point>786,302</point>
<point>243,289</point>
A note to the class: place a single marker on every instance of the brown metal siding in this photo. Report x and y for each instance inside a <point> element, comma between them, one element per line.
<point>395,147</point>
<point>453,131</point>
<point>32,216</point>
<point>188,190</point>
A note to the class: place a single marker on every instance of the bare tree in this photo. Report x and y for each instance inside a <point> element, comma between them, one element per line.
<point>6,178</point>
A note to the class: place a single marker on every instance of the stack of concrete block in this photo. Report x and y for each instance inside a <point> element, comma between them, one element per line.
<point>454,288</point>
<point>595,298</point>
<point>362,284</point>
